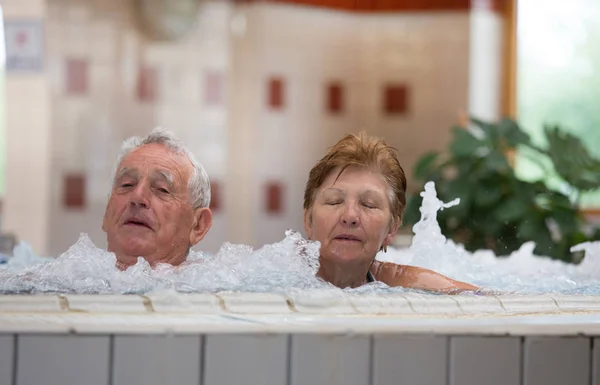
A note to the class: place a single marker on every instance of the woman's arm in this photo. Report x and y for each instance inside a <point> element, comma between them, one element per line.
<point>414,277</point>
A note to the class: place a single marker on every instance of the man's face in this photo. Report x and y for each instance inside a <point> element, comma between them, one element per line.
<point>149,213</point>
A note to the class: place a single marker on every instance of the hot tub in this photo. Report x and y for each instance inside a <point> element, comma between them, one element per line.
<point>305,338</point>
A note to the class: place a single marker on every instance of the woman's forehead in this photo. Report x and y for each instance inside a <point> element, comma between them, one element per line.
<point>354,176</point>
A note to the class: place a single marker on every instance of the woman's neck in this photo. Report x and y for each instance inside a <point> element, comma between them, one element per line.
<point>343,276</point>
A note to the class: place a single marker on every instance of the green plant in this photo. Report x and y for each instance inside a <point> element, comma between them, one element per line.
<point>497,210</point>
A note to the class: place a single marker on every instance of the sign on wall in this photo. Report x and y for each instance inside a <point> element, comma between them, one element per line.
<point>24,45</point>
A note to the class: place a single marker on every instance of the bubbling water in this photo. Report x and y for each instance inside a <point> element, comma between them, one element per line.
<point>290,266</point>
<point>521,272</point>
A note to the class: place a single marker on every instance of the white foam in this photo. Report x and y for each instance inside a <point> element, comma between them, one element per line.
<point>289,266</point>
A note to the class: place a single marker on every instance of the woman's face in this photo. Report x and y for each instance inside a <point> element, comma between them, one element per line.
<point>351,216</point>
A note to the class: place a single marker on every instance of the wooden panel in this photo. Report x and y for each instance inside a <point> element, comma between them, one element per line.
<point>148,360</point>
<point>241,359</point>
<point>410,360</point>
<point>276,91</point>
<point>556,361</point>
<point>62,360</point>
<point>7,343</point>
<point>485,360</point>
<point>331,360</point>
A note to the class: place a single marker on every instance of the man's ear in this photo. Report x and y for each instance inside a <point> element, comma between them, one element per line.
<point>202,223</point>
<point>307,224</point>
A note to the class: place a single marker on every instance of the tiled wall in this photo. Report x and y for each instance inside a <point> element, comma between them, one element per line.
<point>108,82</point>
<point>403,77</point>
<point>297,359</point>
<point>257,91</point>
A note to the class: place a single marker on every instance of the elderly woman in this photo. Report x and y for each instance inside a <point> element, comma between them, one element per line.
<point>353,205</point>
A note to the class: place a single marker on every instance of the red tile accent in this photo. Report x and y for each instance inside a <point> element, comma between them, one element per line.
<point>214,88</point>
<point>379,5</point>
<point>215,196</point>
<point>147,84</point>
<point>396,99</point>
<point>74,191</point>
<point>76,76</point>
<point>274,198</point>
<point>276,93</point>
<point>335,98</point>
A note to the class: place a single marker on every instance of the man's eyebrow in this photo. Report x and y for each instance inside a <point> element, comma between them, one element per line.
<point>166,175</point>
<point>125,171</point>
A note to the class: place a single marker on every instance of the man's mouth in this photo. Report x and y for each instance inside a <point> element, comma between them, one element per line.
<point>137,222</point>
<point>347,237</point>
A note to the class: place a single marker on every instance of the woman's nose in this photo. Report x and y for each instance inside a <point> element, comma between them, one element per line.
<point>350,216</point>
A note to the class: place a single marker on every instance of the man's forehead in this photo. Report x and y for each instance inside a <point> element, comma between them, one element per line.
<point>157,159</point>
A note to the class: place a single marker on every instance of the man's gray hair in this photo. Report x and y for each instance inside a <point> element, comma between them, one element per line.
<point>198,184</point>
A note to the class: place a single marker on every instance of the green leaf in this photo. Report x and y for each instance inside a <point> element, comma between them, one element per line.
<point>488,195</point>
<point>464,144</point>
<point>497,162</point>
<point>572,160</point>
<point>512,133</point>
<point>512,209</point>
<point>425,166</point>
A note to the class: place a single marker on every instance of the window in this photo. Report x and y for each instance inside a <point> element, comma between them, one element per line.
<point>558,76</point>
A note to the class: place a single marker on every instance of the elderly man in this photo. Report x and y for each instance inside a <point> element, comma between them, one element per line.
<point>158,206</point>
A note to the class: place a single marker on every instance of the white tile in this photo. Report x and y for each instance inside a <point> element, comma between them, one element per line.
<point>107,303</point>
<point>381,304</point>
<point>596,362</point>
<point>330,359</point>
<point>485,360</point>
<point>63,360</point>
<point>430,303</point>
<point>30,303</point>
<point>410,360</point>
<point>322,302</point>
<point>165,359</point>
<point>7,343</point>
<point>185,303</point>
<point>556,361</point>
<point>577,302</point>
<point>245,359</point>
<point>256,303</point>
<point>529,303</point>
<point>479,304</point>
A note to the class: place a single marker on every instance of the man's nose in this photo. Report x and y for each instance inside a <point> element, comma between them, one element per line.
<point>140,196</point>
<point>350,215</point>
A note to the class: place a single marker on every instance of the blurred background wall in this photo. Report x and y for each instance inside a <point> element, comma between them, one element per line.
<point>257,89</point>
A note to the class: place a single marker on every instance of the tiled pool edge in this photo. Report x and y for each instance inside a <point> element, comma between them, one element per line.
<point>272,313</point>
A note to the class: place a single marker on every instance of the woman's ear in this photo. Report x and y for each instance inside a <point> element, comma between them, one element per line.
<point>393,229</point>
<point>307,224</point>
